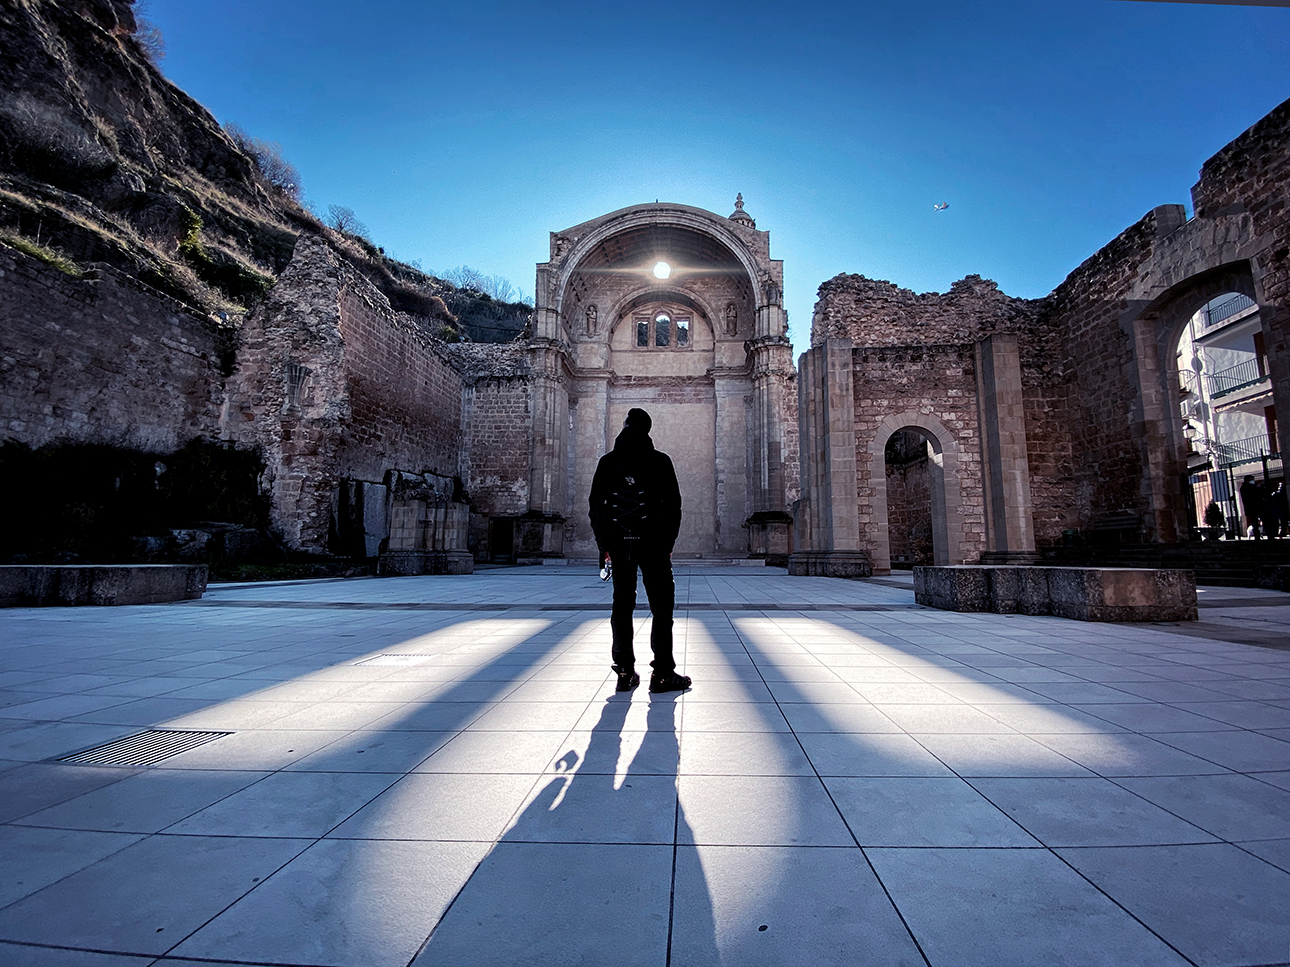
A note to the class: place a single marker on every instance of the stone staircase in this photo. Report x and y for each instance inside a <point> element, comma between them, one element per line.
<point>1221,563</point>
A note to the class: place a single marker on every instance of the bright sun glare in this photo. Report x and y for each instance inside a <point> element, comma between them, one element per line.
<point>662,270</point>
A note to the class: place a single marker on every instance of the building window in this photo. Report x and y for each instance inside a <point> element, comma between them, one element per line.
<point>663,330</point>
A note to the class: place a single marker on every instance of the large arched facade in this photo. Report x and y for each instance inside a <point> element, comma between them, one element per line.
<point>703,348</point>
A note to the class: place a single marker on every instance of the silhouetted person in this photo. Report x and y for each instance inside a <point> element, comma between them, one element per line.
<point>1277,511</point>
<point>636,515</point>
<point>1253,501</point>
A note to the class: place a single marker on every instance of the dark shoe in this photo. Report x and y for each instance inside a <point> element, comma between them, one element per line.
<point>669,682</point>
<point>627,680</point>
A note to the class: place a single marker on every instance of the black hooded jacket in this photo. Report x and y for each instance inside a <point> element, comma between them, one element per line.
<point>634,456</point>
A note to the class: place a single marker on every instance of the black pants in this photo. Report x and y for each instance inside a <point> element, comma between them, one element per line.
<point>656,573</point>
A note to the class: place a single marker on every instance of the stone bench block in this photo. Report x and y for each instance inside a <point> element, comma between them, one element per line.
<point>1122,593</point>
<point>407,563</point>
<point>40,585</point>
<point>954,588</point>
<point>1083,593</point>
<point>830,564</point>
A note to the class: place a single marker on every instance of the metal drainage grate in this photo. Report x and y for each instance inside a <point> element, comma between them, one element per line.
<point>143,748</point>
<point>394,660</point>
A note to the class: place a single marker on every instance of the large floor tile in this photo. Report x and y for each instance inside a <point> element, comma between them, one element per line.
<point>29,787</point>
<point>35,741</point>
<point>945,719</point>
<point>176,884</point>
<point>911,811</point>
<point>1229,806</point>
<point>767,906</point>
<point>22,955</point>
<point>496,752</point>
<point>1274,851</point>
<point>1126,754</point>
<point>306,804</point>
<point>367,751</point>
<point>430,806</point>
<point>758,811</point>
<point>146,802</point>
<point>838,717</point>
<point>743,754</point>
<point>1218,905</point>
<point>35,858</point>
<point>870,754</point>
<point>993,754</point>
<point>598,808</point>
<point>349,903</point>
<point>266,749</point>
<point>1238,750</point>
<point>529,903</point>
<point>1242,714</point>
<point>1086,812</point>
<point>1147,716</point>
<point>990,907</point>
<point>733,717</point>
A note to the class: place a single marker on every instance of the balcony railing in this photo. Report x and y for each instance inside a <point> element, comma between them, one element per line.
<point>1236,377</point>
<point>1215,315</point>
<point>1233,452</point>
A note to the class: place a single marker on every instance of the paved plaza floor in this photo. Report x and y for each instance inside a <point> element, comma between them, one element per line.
<point>437,771</point>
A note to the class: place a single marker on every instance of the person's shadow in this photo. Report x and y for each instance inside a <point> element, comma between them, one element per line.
<point>542,897</point>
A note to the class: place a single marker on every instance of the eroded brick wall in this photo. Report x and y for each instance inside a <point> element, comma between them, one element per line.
<point>404,398</point>
<point>103,359</point>
<point>498,435</point>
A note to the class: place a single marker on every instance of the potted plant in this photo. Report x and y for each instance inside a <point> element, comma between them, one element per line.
<point>1215,521</point>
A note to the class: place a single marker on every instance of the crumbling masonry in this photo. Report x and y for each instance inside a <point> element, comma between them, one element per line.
<point>1011,420</point>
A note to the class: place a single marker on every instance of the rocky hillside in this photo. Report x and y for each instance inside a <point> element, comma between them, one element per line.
<point>104,160</point>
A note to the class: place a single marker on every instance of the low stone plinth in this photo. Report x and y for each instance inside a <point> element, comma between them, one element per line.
<point>42,585</point>
<point>1275,577</point>
<point>1083,593</point>
<point>408,563</point>
<point>830,564</point>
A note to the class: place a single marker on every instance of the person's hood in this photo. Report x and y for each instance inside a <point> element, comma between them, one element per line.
<point>633,442</point>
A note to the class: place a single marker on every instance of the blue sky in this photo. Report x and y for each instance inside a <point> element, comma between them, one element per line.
<point>464,133</point>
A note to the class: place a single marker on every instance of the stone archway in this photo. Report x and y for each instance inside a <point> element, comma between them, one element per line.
<point>702,346</point>
<point>944,467</point>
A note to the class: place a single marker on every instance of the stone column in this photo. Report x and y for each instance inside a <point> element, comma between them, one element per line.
<point>733,452</point>
<point>829,537</point>
<point>1010,531</point>
<point>541,529</point>
<point>769,522</point>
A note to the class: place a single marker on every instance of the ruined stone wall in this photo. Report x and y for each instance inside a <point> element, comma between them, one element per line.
<point>103,359</point>
<point>498,435</point>
<point>871,312</point>
<point>335,387</point>
<point>937,384</point>
<point>1098,355</point>
<point>405,399</point>
<point>1252,176</point>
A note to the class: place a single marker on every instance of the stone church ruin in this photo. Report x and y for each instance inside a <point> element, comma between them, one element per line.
<point>959,427</point>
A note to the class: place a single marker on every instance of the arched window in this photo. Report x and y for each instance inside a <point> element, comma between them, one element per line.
<point>663,329</point>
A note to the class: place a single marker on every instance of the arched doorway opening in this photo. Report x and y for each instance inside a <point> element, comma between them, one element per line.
<point>916,501</point>
<point>910,465</point>
<point>1228,421</point>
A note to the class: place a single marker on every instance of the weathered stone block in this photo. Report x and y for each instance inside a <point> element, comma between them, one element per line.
<point>1273,576</point>
<point>1122,594</point>
<point>953,588</point>
<point>27,586</point>
<point>1082,593</point>
<point>412,562</point>
<point>830,564</point>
